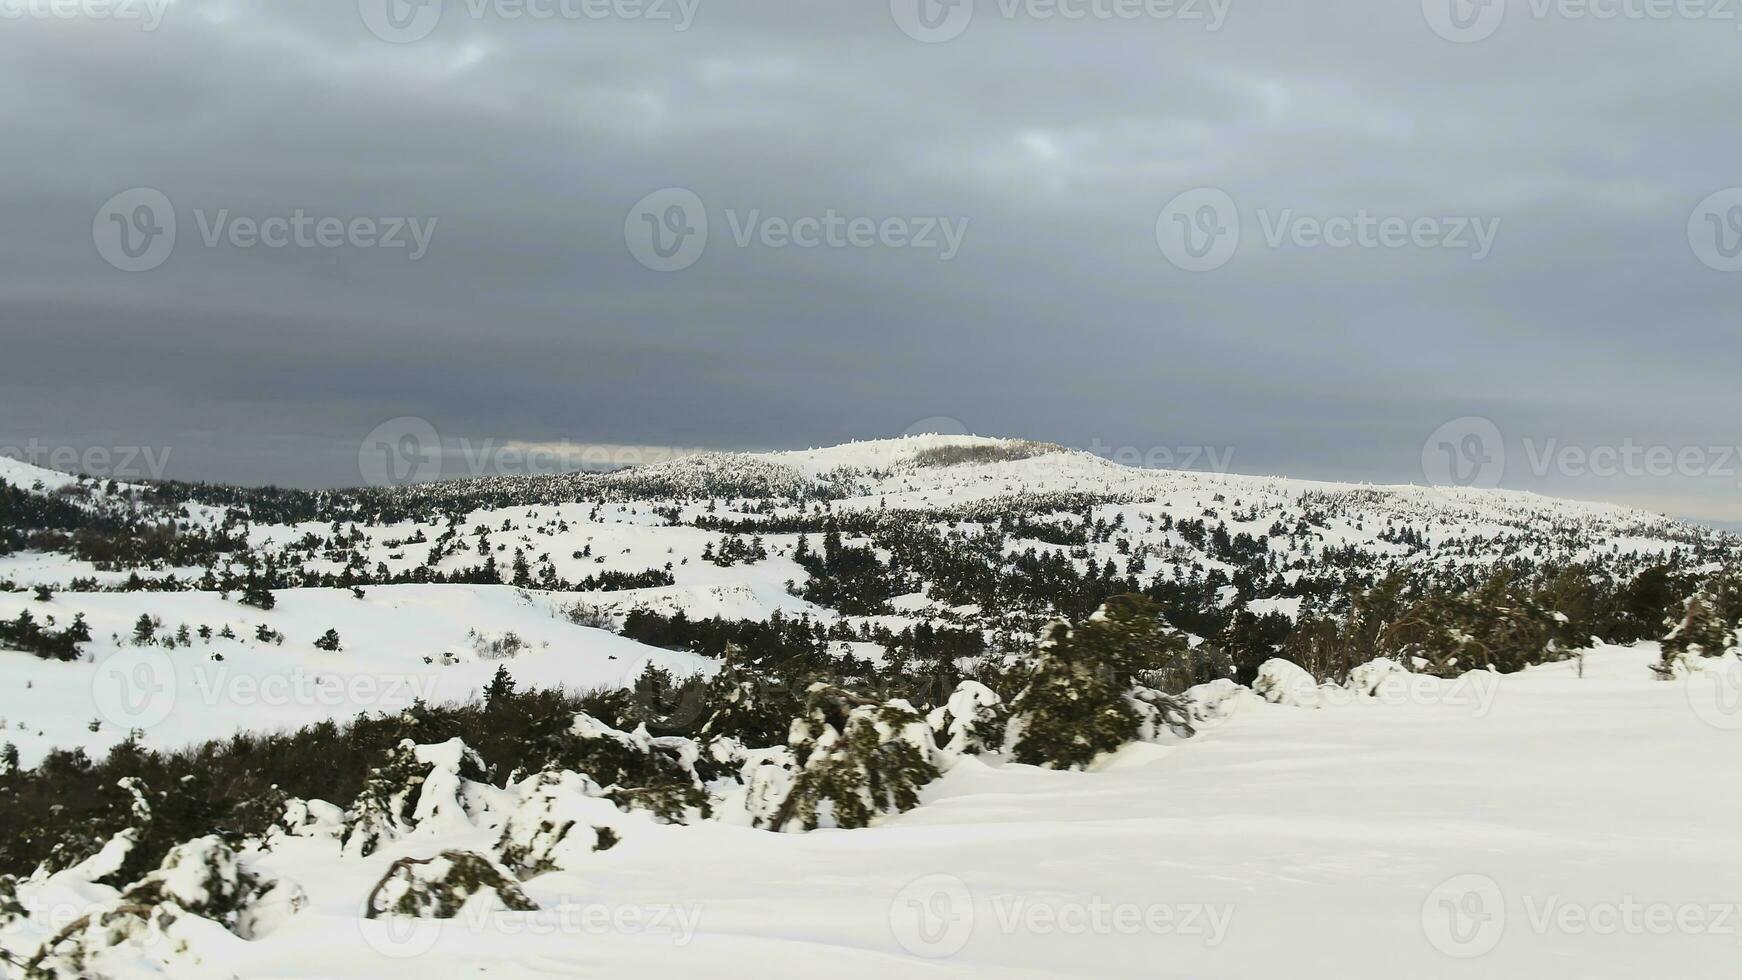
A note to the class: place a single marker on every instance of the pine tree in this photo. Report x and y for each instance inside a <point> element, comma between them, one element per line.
<point>1700,631</point>
<point>256,594</point>
<point>500,692</point>
<point>1079,697</point>
<point>858,758</point>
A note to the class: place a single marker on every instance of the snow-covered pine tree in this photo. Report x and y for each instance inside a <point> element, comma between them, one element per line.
<point>857,758</point>
<point>1701,629</point>
<point>1080,697</point>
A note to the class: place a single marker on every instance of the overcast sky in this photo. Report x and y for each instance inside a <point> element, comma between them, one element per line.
<point>1555,263</point>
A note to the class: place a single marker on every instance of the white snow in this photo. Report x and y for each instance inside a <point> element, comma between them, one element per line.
<point>1338,842</point>
<point>400,643</point>
<point>1563,813</point>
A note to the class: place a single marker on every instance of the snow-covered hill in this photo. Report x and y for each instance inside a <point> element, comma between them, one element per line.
<point>1271,541</point>
<point>1418,833</point>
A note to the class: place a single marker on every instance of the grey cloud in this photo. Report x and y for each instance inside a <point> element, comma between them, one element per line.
<point>1058,142</point>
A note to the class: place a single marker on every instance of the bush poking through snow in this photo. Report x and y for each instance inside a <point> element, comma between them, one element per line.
<point>438,887</point>
<point>766,776</point>
<point>562,818</point>
<point>309,818</point>
<point>1216,702</point>
<point>1158,712</point>
<point>202,879</point>
<point>418,784</point>
<point>1700,631</point>
<point>1284,682</point>
<point>637,770</point>
<point>971,722</point>
<point>858,758</point>
<point>1374,676</point>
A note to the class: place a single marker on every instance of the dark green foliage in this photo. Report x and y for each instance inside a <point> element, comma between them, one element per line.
<point>781,644</point>
<point>25,633</point>
<point>11,909</point>
<point>255,593</point>
<point>383,809</point>
<point>1498,626</point>
<point>734,550</point>
<point>637,770</point>
<point>64,809</point>
<point>858,758</point>
<point>850,578</point>
<point>1706,626</point>
<point>1077,700</point>
<point>751,710</point>
<point>437,888</point>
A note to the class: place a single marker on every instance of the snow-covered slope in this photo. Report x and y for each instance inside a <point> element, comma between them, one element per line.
<point>399,644</point>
